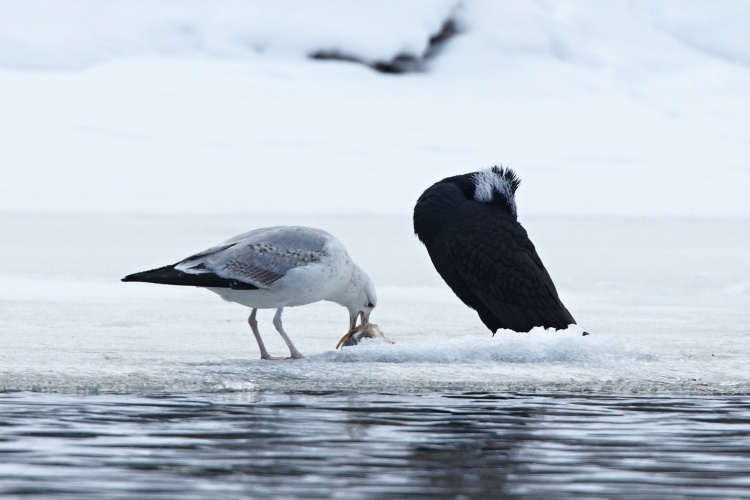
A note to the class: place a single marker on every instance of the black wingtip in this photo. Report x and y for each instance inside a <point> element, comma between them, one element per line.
<point>168,275</point>
<point>132,277</point>
<point>162,275</point>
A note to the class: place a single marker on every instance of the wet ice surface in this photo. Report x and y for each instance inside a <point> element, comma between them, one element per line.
<point>666,302</point>
<point>158,391</point>
<point>338,445</point>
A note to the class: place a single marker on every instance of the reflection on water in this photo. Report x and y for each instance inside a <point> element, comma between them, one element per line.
<point>333,445</point>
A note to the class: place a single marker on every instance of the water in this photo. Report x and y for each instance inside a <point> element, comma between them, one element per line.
<point>353,445</point>
<point>116,391</point>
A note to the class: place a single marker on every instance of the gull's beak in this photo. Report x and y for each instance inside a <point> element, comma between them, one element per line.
<point>364,317</point>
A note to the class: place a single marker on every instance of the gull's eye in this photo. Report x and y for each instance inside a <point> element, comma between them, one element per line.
<point>370,304</point>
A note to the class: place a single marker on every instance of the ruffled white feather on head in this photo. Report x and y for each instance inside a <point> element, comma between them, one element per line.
<point>494,182</point>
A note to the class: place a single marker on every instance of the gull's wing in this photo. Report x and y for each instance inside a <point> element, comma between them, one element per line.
<point>259,258</point>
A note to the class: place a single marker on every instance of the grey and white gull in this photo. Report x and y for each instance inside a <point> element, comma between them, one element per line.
<point>274,268</point>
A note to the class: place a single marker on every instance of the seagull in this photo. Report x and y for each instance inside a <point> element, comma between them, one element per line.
<point>274,268</point>
<point>470,227</point>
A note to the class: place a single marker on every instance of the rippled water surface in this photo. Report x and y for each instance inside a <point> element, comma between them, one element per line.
<point>334,445</point>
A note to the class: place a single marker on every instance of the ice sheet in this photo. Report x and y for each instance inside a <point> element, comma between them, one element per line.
<point>663,317</point>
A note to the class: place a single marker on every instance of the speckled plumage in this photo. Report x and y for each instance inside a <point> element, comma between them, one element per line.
<point>484,254</point>
<point>274,268</point>
<point>262,256</point>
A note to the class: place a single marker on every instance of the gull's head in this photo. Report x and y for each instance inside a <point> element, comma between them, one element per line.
<point>367,299</point>
<point>362,298</point>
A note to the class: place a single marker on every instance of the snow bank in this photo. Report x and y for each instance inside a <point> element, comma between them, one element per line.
<point>718,29</point>
<point>49,35</point>
<point>623,108</point>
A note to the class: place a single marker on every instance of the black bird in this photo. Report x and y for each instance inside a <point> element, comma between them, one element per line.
<point>470,228</point>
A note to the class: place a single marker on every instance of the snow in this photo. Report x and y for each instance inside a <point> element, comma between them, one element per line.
<point>137,133</point>
<point>40,34</point>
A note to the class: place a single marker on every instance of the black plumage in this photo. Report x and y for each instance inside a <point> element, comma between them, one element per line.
<point>469,225</point>
<point>168,275</point>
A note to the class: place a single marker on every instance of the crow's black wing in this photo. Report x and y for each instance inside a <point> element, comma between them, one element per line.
<point>499,265</point>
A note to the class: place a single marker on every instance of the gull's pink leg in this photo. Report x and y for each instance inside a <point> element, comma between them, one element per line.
<point>254,327</point>
<point>277,323</point>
